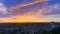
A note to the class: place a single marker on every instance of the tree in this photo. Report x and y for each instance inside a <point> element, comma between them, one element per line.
<point>55,30</point>
<point>1,32</point>
<point>13,32</point>
<point>37,32</point>
<point>44,32</point>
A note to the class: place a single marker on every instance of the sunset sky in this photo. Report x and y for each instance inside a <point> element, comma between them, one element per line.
<point>29,10</point>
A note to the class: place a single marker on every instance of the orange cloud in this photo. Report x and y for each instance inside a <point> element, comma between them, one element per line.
<point>26,4</point>
<point>27,17</point>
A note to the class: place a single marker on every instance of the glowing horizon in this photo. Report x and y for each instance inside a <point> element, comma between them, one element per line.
<point>29,11</point>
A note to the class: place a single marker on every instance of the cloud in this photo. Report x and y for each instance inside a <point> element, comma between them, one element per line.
<point>3,9</point>
<point>26,4</point>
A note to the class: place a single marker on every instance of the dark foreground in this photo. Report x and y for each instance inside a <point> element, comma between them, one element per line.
<point>30,28</point>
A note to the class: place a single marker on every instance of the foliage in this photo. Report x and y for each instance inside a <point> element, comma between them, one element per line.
<point>55,30</point>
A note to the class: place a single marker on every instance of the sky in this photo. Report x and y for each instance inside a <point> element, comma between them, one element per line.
<point>29,10</point>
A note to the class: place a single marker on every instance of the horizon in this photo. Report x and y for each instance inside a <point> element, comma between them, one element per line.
<point>29,11</point>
